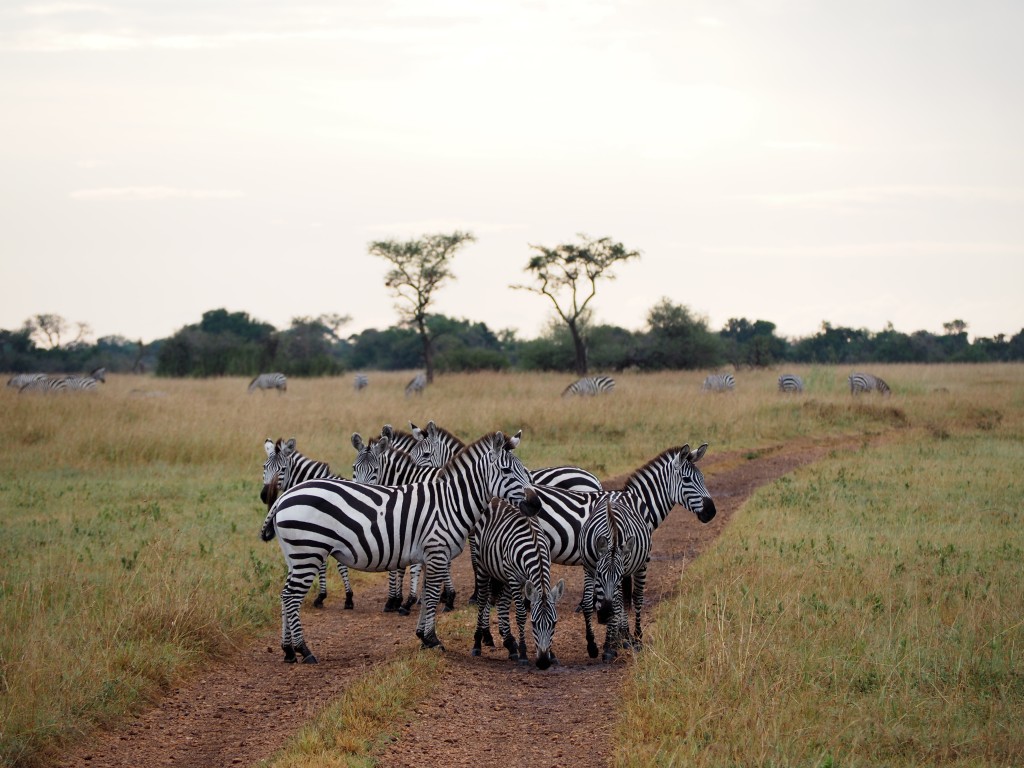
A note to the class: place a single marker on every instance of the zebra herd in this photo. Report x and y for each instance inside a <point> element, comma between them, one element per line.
<point>421,507</point>
<point>790,383</point>
<point>41,382</point>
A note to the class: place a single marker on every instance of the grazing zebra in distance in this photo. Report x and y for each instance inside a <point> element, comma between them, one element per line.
<point>620,562</point>
<point>84,383</point>
<point>417,385</point>
<point>45,384</point>
<point>284,468</point>
<point>514,563</point>
<point>360,382</point>
<point>865,382</point>
<point>654,489</point>
<point>719,382</point>
<point>19,380</point>
<point>380,528</point>
<point>590,385</point>
<point>276,381</point>
<point>790,382</point>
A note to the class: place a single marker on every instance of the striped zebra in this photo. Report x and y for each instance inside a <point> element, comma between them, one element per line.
<point>590,385</point>
<point>670,478</point>
<point>86,383</point>
<point>276,381</point>
<point>619,562</point>
<point>719,382</point>
<point>417,384</point>
<point>380,528</point>
<point>865,382</point>
<point>45,385</point>
<point>284,468</point>
<point>360,382</point>
<point>791,383</point>
<point>515,566</point>
<point>19,380</point>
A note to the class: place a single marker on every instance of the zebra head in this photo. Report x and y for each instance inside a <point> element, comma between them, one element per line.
<point>434,445</point>
<point>612,553</point>
<point>543,617</point>
<point>367,466</point>
<point>687,483</point>
<point>507,478</point>
<point>276,469</point>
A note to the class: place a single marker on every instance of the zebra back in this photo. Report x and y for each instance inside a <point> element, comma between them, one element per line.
<point>866,382</point>
<point>590,385</point>
<point>19,380</point>
<point>567,478</point>
<point>790,382</point>
<point>45,384</point>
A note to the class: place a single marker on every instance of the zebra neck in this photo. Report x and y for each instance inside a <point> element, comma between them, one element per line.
<point>649,486</point>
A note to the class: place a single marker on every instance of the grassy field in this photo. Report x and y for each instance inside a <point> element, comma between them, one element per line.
<point>871,600</point>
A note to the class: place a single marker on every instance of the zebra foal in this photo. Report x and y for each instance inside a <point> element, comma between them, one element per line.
<point>514,565</point>
<point>380,528</point>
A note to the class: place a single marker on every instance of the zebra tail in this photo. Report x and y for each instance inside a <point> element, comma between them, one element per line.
<point>267,532</point>
<point>627,592</point>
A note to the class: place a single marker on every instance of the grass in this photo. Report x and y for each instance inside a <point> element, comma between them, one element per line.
<point>130,514</point>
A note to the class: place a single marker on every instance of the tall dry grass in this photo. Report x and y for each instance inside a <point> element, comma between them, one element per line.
<point>130,544</point>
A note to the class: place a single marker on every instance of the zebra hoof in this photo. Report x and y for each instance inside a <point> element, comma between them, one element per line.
<point>432,641</point>
<point>475,652</point>
<point>609,655</point>
<point>309,659</point>
<point>488,639</point>
<point>592,650</point>
<point>523,661</point>
<point>289,654</point>
<point>349,602</point>
<point>319,602</point>
<point>403,611</point>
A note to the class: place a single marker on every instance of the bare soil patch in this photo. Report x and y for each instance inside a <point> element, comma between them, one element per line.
<point>243,707</point>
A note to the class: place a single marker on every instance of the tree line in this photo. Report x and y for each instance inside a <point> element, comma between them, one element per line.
<point>227,343</point>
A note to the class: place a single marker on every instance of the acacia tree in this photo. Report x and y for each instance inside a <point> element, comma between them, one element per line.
<point>567,274</point>
<point>418,268</point>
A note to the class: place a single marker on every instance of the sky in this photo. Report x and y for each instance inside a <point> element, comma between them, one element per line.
<point>795,161</point>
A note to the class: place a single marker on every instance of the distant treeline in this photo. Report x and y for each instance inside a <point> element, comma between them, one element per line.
<point>233,344</point>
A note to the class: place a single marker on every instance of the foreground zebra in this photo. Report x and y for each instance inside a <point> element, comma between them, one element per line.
<point>284,468</point>
<point>590,385</point>
<point>514,565</point>
<point>379,528</point>
<point>417,385</point>
<point>619,562</point>
<point>719,382</point>
<point>670,478</point>
<point>276,381</point>
<point>791,383</point>
<point>865,382</point>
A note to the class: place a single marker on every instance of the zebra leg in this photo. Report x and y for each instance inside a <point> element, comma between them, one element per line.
<point>343,572</point>
<point>414,587</point>
<point>639,582</point>
<point>483,620</point>
<point>520,599</point>
<point>448,595</point>
<point>611,638</point>
<point>295,588</point>
<point>322,594</point>
<point>436,563</point>
<point>474,558</point>
<point>504,603</point>
<point>394,601</point>
<point>588,612</point>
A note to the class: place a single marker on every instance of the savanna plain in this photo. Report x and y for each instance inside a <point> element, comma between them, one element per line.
<point>866,609</point>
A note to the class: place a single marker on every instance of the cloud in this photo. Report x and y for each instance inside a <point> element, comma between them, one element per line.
<point>856,198</point>
<point>153,193</point>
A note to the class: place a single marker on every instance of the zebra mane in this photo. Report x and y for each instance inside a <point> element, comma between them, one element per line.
<point>448,436</point>
<point>633,481</point>
<point>472,449</point>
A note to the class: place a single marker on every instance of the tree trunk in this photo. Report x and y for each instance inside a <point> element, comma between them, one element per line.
<point>581,350</point>
<point>428,353</point>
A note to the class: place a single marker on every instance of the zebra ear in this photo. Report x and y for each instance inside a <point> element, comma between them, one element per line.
<point>698,454</point>
<point>602,545</point>
<point>416,431</point>
<point>514,441</point>
<point>290,446</point>
<point>387,431</point>
<point>529,591</point>
<point>557,590</point>
<point>381,446</point>
<point>357,441</point>
<point>628,545</point>
<point>431,429</point>
<point>268,446</point>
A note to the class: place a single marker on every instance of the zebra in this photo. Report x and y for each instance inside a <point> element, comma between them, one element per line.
<point>515,563</point>
<point>791,383</point>
<point>590,385</point>
<point>417,385</point>
<point>284,468</point>
<point>45,384</point>
<point>19,380</point>
<point>379,528</point>
<point>360,382</point>
<point>668,479</point>
<point>86,383</point>
<point>865,382</point>
<point>619,563</point>
<point>719,382</point>
<point>276,381</point>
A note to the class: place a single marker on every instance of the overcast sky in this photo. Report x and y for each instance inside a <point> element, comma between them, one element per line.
<point>787,160</point>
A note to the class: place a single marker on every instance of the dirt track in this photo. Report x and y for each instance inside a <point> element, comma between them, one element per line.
<point>244,707</point>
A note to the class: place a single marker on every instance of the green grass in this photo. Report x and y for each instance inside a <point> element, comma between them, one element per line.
<point>130,548</point>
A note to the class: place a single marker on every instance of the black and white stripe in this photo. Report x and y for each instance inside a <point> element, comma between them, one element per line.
<point>590,385</point>
<point>19,380</point>
<point>45,385</point>
<point>791,383</point>
<point>719,382</point>
<point>285,468</point>
<point>276,381</point>
<point>514,565</point>
<point>670,478</point>
<point>380,528</point>
<point>417,384</point>
<point>86,383</point>
<point>865,382</point>
<point>360,381</point>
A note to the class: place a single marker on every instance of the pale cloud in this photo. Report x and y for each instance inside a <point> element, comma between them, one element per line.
<point>60,9</point>
<point>852,199</point>
<point>153,193</point>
